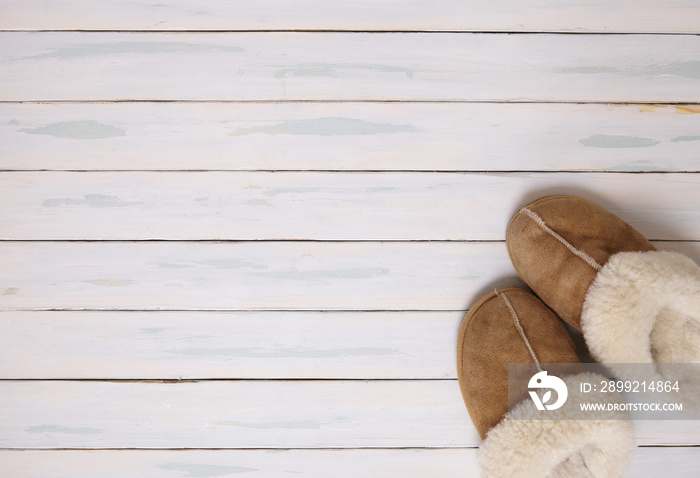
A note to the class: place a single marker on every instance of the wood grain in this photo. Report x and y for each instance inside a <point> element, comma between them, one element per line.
<point>324,206</point>
<point>674,16</point>
<point>349,136</point>
<point>682,462</point>
<point>254,414</point>
<point>257,275</point>
<point>307,66</point>
<point>193,345</point>
<point>359,121</point>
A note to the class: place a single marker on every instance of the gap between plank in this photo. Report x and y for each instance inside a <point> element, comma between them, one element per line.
<point>215,379</point>
<point>352,31</point>
<point>291,449</point>
<point>367,171</point>
<point>349,100</point>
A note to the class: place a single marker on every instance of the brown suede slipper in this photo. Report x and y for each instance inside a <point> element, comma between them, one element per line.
<point>511,325</point>
<point>559,243</point>
<point>605,279</point>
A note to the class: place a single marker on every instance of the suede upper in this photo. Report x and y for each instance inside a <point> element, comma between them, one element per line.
<point>545,263</point>
<point>489,340</point>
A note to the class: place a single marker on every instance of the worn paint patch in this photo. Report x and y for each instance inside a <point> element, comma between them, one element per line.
<point>613,141</point>
<point>11,291</point>
<point>647,108</point>
<point>78,130</point>
<point>153,330</point>
<point>329,126</point>
<point>289,352</point>
<point>63,430</point>
<point>685,69</point>
<point>688,110</point>
<point>194,470</point>
<point>640,165</point>
<point>132,48</point>
<point>91,200</point>
<point>110,282</point>
<point>323,275</point>
<point>330,69</point>
<point>590,70</point>
<point>13,122</point>
<point>680,139</point>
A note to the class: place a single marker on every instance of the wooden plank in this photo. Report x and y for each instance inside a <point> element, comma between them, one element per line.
<point>307,66</point>
<point>652,462</point>
<point>674,16</point>
<point>349,136</point>
<point>324,206</point>
<point>257,275</point>
<point>250,275</point>
<point>253,414</point>
<point>192,345</point>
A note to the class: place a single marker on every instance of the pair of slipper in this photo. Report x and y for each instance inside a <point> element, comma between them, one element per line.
<point>632,303</point>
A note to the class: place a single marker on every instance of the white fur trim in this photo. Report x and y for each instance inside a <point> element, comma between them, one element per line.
<point>644,307</point>
<point>520,446</point>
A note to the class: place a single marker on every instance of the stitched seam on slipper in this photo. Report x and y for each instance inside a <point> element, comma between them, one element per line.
<point>577,252</point>
<point>519,327</point>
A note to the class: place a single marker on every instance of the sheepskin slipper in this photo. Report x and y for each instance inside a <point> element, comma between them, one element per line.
<point>510,326</point>
<point>569,445</point>
<point>634,304</point>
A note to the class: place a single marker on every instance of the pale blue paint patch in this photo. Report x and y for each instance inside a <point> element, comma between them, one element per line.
<point>110,282</point>
<point>324,275</point>
<point>613,141</point>
<point>470,278</point>
<point>13,122</point>
<point>153,330</point>
<point>63,430</point>
<point>91,200</point>
<point>640,165</point>
<point>78,130</point>
<point>330,69</point>
<point>680,139</point>
<point>329,126</point>
<point>201,200</point>
<point>193,470</point>
<point>685,69</point>
<point>289,352</point>
<point>590,70</point>
<point>277,191</point>
<point>132,48</point>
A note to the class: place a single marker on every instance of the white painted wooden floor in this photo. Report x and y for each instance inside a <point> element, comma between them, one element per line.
<point>238,238</point>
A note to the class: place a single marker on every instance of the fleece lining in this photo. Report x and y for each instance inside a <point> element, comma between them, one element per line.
<point>644,307</point>
<point>520,446</point>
